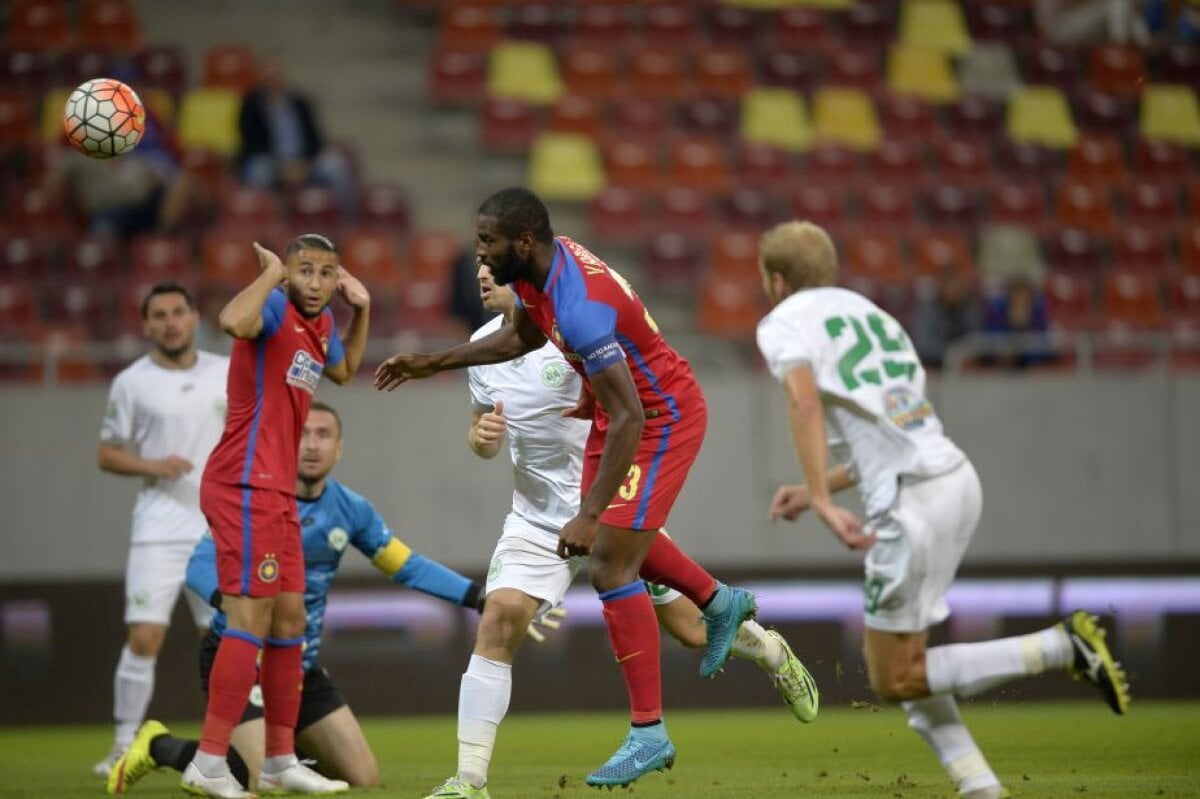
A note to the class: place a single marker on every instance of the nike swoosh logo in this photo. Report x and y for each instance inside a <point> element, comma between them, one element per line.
<point>1093,660</point>
<point>298,328</point>
<point>627,657</point>
<point>617,505</point>
<point>641,764</point>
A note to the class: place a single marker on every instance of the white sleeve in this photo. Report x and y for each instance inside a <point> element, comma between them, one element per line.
<point>481,399</point>
<point>785,345</point>
<point>117,427</point>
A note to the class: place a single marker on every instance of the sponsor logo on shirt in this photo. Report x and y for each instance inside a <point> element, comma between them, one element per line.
<point>337,539</point>
<point>907,410</point>
<point>305,372</point>
<point>553,374</point>
<point>494,568</point>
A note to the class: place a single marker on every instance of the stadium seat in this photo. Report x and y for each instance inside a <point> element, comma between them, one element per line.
<point>590,70</point>
<point>1133,299</point>
<point>1028,161</point>
<point>25,256</point>
<point>887,205</point>
<point>704,116</point>
<point>722,72</point>
<point>730,306</point>
<point>748,208</point>
<point>208,120</point>
<point>537,22</point>
<point>897,161</point>
<point>158,257</point>
<point>314,208</point>
<point>789,69</point>
<point>110,23</point>
<point>1142,248</point>
<point>228,261</point>
<point>921,72</point>
<point>508,126</point>
<point>823,204</point>
<point>936,25</point>
<point>456,77</point>
<point>673,260</point>
<point>1076,250</point>
<point>1170,113</point>
<point>936,251</point>
<point>51,127</point>
<point>735,26</point>
<point>853,66</point>
<point>1179,63</point>
<point>576,113</point>
<point>656,74</point>
<point>1100,111</point>
<point>975,115</point>
<point>599,24</point>
<point>39,25</point>
<point>83,304</point>
<point>1040,115</point>
<point>19,313</point>
<point>525,72</point>
<point>93,260</point>
<point>230,66</point>
<point>1116,68</point>
<point>1044,64</point>
<point>373,256</point>
<point>1183,292</point>
<point>384,206</point>
<point>640,118</point>
<point>776,118</point>
<point>1009,251</point>
<point>1189,248</point>
<point>633,163</point>
<point>620,214</point>
<point>247,206</point>
<point>674,25</point>
<point>998,21</point>
<point>1070,302</point>
<point>1152,203</point>
<point>989,70</point>
<point>16,128</point>
<point>161,66</point>
<point>66,346</point>
<point>38,211</point>
<point>846,116</point>
<point>763,165</point>
<point>799,28</point>
<point>565,166</point>
<point>1158,158</point>
<point>963,160</point>
<point>952,205</point>
<point>1097,159</point>
<point>1082,205</point>
<point>699,162</point>
<point>29,70</point>
<point>682,209</point>
<point>432,254</point>
<point>832,163</point>
<point>1017,202</point>
<point>906,118</point>
<point>875,256</point>
<point>467,26</point>
<point>735,252</point>
<point>869,22</point>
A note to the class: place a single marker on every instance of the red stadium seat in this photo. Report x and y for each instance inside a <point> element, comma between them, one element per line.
<point>247,206</point>
<point>975,115</point>
<point>314,209</point>
<point>385,206</point>
<point>24,256</point>
<point>1142,248</point>
<point>897,160</point>
<point>887,205</point>
<point>16,120</point>
<point>29,70</point>
<point>684,209</point>
<point>1152,202</point>
<point>456,77</point>
<point>658,74</point>
<point>733,25</point>
<point>639,118</point>
<point>730,306</point>
<point>71,362</point>
<point>1179,63</point>
<point>87,305</point>
<point>799,28</point>
<point>162,66</point>
<point>1049,65</point>
<point>158,257</point>
<point>228,259</point>
<point>673,260</point>
<point>763,166</point>
<point>591,70</point>
<point>831,163</point>
<point>1101,111</point>
<point>1117,69</point>
<point>577,113</point>
<point>706,117</point>
<point>634,164</point>
<point>1074,250</point>
<point>870,22</point>
<point>936,251</point>
<point>93,260</point>
<point>538,22</point>
<point>952,205</point>
<point>788,68</point>
<point>875,256</point>
<point>467,26</point>
<point>1017,203</point>
<point>39,25</point>
<point>749,208</point>
<point>84,64</point>
<point>856,66</point>
<point>19,315</point>
<point>230,66</point>
<point>1097,159</point>
<point>1025,160</point>
<point>110,23</point>
<point>373,256</point>
<point>1189,248</point>
<point>1133,299</point>
<point>998,21</point>
<point>600,24</point>
<point>1184,294</point>
<point>964,160</point>
<point>619,214</point>
<point>824,205</point>
<point>1082,205</point>
<point>432,254</point>
<point>1158,158</point>
<point>670,25</point>
<point>37,211</point>
<point>508,126</point>
<point>735,253</point>
<point>1070,301</point>
<point>905,117</point>
<point>722,72</point>
<point>700,163</point>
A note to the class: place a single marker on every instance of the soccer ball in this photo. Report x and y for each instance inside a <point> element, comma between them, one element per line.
<point>104,118</point>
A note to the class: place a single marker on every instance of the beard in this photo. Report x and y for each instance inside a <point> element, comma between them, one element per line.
<point>296,298</point>
<point>509,268</point>
<point>174,352</point>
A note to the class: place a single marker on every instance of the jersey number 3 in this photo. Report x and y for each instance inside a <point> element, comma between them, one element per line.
<point>897,361</point>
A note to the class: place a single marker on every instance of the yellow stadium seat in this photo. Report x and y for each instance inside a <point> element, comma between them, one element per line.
<point>524,71</point>
<point>208,120</point>
<point>846,116</point>
<point>776,117</point>
<point>935,25</point>
<point>1170,112</point>
<point>565,166</point>
<point>53,104</point>
<point>1040,115</point>
<point>161,103</point>
<point>921,72</point>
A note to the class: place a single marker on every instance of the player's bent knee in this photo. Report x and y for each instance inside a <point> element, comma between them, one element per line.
<point>897,686</point>
<point>146,640</point>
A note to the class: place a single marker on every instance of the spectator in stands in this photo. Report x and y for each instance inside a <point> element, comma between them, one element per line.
<point>1019,318</point>
<point>944,315</point>
<point>1071,23</point>
<point>282,145</point>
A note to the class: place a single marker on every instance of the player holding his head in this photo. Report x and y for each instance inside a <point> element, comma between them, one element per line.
<point>332,518</point>
<point>649,417</point>
<point>286,339</point>
<point>165,414</point>
<point>529,400</point>
<point>850,373</point>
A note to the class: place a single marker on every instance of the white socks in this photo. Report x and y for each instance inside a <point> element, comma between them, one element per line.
<point>937,721</point>
<point>969,669</point>
<point>753,643</point>
<point>483,700</point>
<point>133,685</point>
<point>277,763</point>
<point>211,766</point>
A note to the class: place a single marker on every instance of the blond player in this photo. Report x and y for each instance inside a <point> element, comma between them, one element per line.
<point>849,372</point>
<point>165,414</point>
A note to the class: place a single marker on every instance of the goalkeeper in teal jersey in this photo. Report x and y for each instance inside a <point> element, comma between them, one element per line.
<point>332,518</point>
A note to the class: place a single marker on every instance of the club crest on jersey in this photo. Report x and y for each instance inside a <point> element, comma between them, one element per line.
<point>561,343</point>
<point>268,570</point>
<point>554,374</point>
<point>337,539</point>
<point>325,345</point>
<point>304,372</point>
<point>906,409</point>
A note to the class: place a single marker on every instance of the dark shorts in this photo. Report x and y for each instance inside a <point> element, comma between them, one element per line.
<point>319,696</point>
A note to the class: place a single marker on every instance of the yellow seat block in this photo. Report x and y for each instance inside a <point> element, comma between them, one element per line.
<point>54,102</point>
<point>1170,112</point>
<point>846,116</point>
<point>565,166</point>
<point>777,117</point>
<point>921,72</point>
<point>935,25</point>
<point>208,120</point>
<point>1040,115</point>
<point>524,71</point>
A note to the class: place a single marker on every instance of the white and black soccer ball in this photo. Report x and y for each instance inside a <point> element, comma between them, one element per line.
<point>104,118</point>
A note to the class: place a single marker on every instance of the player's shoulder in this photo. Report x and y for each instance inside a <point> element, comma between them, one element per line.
<point>346,499</point>
<point>139,369</point>
<point>490,327</point>
<point>212,360</point>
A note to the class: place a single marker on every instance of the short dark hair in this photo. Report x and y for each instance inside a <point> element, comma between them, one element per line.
<point>518,211</point>
<point>309,241</point>
<point>317,405</point>
<point>168,287</point>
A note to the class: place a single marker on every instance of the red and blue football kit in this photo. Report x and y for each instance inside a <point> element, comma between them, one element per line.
<point>595,318</point>
<point>249,485</point>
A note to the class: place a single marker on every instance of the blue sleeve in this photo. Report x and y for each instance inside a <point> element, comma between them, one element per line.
<point>590,329</point>
<point>430,577</point>
<point>371,532</point>
<point>201,573</point>
<point>336,352</point>
<point>272,313</point>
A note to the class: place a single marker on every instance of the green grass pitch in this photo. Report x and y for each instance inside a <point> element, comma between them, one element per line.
<point>1050,750</point>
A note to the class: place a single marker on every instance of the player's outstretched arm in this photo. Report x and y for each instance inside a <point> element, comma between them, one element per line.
<point>354,340</point>
<point>242,317</point>
<point>503,345</point>
<point>411,569</point>
<point>792,500</point>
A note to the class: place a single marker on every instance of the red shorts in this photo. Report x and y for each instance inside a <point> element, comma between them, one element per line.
<point>660,467</point>
<point>257,533</point>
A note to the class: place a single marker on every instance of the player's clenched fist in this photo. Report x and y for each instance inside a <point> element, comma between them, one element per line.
<point>172,467</point>
<point>488,431</point>
<point>789,502</point>
<point>401,367</point>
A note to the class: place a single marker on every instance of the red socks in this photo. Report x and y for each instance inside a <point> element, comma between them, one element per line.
<point>282,682</point>
<point>633,631</point>
<point>229,685</point>
<point>668,564</point>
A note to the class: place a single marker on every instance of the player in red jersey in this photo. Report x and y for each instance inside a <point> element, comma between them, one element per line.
<point>648,420</point>
<point>285,339</point>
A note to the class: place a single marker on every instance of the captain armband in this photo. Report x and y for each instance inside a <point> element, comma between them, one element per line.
<point>392,557</point>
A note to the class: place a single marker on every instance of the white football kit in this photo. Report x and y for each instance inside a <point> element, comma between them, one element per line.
<point>157,412</point>
<point>921,494</point>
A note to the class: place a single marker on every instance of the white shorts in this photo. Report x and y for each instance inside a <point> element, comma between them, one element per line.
<point>526,559</point>
<point>922,540</point>
<point>154,576</point>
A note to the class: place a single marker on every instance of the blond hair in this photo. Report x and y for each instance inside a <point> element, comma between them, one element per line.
<point>800,251</point>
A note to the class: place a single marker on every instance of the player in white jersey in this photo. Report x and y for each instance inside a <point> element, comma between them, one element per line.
<point>533,401</point>
<point>165,414</point>
<point>850,373</point>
